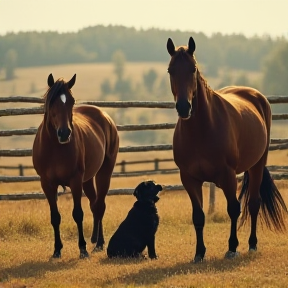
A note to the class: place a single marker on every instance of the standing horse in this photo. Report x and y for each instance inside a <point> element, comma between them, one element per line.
<point>72,146</point>
<point>220,134</point>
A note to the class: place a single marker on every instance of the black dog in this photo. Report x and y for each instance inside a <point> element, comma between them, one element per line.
<point>139,228</point>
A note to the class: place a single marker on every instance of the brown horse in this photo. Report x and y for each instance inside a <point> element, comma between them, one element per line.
<point>220,134</point>
<point>72,146</point>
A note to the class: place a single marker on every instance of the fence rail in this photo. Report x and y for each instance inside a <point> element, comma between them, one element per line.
<point>275,143</point>
<point>273,99</point>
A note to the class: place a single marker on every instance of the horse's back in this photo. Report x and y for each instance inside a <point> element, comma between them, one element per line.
<point>249,115</point>
<point>96,123</point>
<point>245,98</point>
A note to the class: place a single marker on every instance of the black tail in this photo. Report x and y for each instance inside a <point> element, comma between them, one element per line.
<point>272,206</point>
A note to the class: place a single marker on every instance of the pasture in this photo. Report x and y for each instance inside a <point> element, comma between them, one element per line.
<point>26,236</point>
<point>27,244</point>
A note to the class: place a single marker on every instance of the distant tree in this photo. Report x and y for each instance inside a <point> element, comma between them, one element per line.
<point>106,87</point>
<point>211,70</point>
<point>226,80</point>
<point>10,63</point>
<point>275,71</point>
<point>242,80</point>
<point>123,87</point>
<point>119,61</point>
<point>149,79</point>
<point>164,89</point>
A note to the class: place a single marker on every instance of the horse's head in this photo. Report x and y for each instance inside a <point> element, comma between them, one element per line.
<point>183,76</point>
<point>59,103</point>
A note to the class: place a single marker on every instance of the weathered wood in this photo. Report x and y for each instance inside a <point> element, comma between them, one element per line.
<point>279,116</point>
<point>140,127</point>
<point>119,191</point>
<point>277,99</point>
<point>278,147</point>
<point>279,140</point>
<point>15,179</point>
<point>211,208</point>
<point>18,132</point>
<point>21,111</point>
<point>23,99</point>
<point>273,99</point>
<point>160,147</point>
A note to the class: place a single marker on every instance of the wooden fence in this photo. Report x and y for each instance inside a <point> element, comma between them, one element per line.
<point>276,144</point>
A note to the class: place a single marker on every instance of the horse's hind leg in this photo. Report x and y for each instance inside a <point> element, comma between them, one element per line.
<point>51,195</point>
<point>90,192</point>
<point>255,179</point>
<point>103,178</point>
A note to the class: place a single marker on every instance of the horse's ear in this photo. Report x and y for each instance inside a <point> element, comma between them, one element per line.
<point>191,46</point>
<point>50,80</point>
<point>170,47</point>
<point>71,82</point>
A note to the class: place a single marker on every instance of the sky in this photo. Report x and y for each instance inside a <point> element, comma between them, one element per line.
<point>248,17</point>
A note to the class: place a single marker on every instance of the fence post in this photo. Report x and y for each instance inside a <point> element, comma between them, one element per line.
<point>156,164</point>
<point>21,170</point>
<point>123,166</point>
<point>211,198</point>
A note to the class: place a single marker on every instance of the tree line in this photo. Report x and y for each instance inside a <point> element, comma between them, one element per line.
<point>98,44</point>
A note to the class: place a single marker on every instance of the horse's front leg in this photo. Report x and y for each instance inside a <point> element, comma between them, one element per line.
<point>229,186</point>
<point>78,215</point>
<point>194,190</point>
<point>50,191</point>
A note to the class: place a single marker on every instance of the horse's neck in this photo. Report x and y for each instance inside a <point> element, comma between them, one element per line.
<point>204,101</point>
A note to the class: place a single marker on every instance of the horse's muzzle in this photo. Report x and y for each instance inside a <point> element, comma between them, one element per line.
<point>64,135</point>
<point>184,109</point>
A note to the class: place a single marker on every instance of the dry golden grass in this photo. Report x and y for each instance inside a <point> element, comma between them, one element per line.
<point>27,243</point>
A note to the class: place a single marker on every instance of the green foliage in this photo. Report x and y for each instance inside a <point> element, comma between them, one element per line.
<point>149,79</point>
<point>119,59</point>
<point>10,64</point>
<point>275,69</point>
<point>123,88</point>
<point>99,43</point>
<point>106,87</point>
<point>226,80</point>
<point>242,80</point>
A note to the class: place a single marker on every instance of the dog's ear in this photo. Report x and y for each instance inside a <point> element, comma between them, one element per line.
<point>159,187</point>
<point>137,192</point>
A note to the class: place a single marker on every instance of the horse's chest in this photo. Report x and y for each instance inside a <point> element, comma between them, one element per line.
<point>194,157</point>
<point>61,166</point>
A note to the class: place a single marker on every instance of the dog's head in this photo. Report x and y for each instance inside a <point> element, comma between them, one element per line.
<point>147,191</point>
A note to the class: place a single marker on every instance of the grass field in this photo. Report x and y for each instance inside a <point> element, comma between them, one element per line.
<point>26,236</point>
<point>27,243</point>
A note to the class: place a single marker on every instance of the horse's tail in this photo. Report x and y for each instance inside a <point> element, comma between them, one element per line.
<point>272,208</point>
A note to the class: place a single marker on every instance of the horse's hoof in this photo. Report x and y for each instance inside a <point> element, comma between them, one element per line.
<point>231,254</point>
<point>93,240</point>
<point>197,259</point>
<point>98,249</point>
<point>83,254</point>
<point>56,255</point>
<point>252,249</point>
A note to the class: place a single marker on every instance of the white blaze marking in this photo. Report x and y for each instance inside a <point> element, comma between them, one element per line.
<point>63,98</point>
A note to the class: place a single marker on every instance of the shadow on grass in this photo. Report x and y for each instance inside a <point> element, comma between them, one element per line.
<point>153,275</point>
<point>36,268</point>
